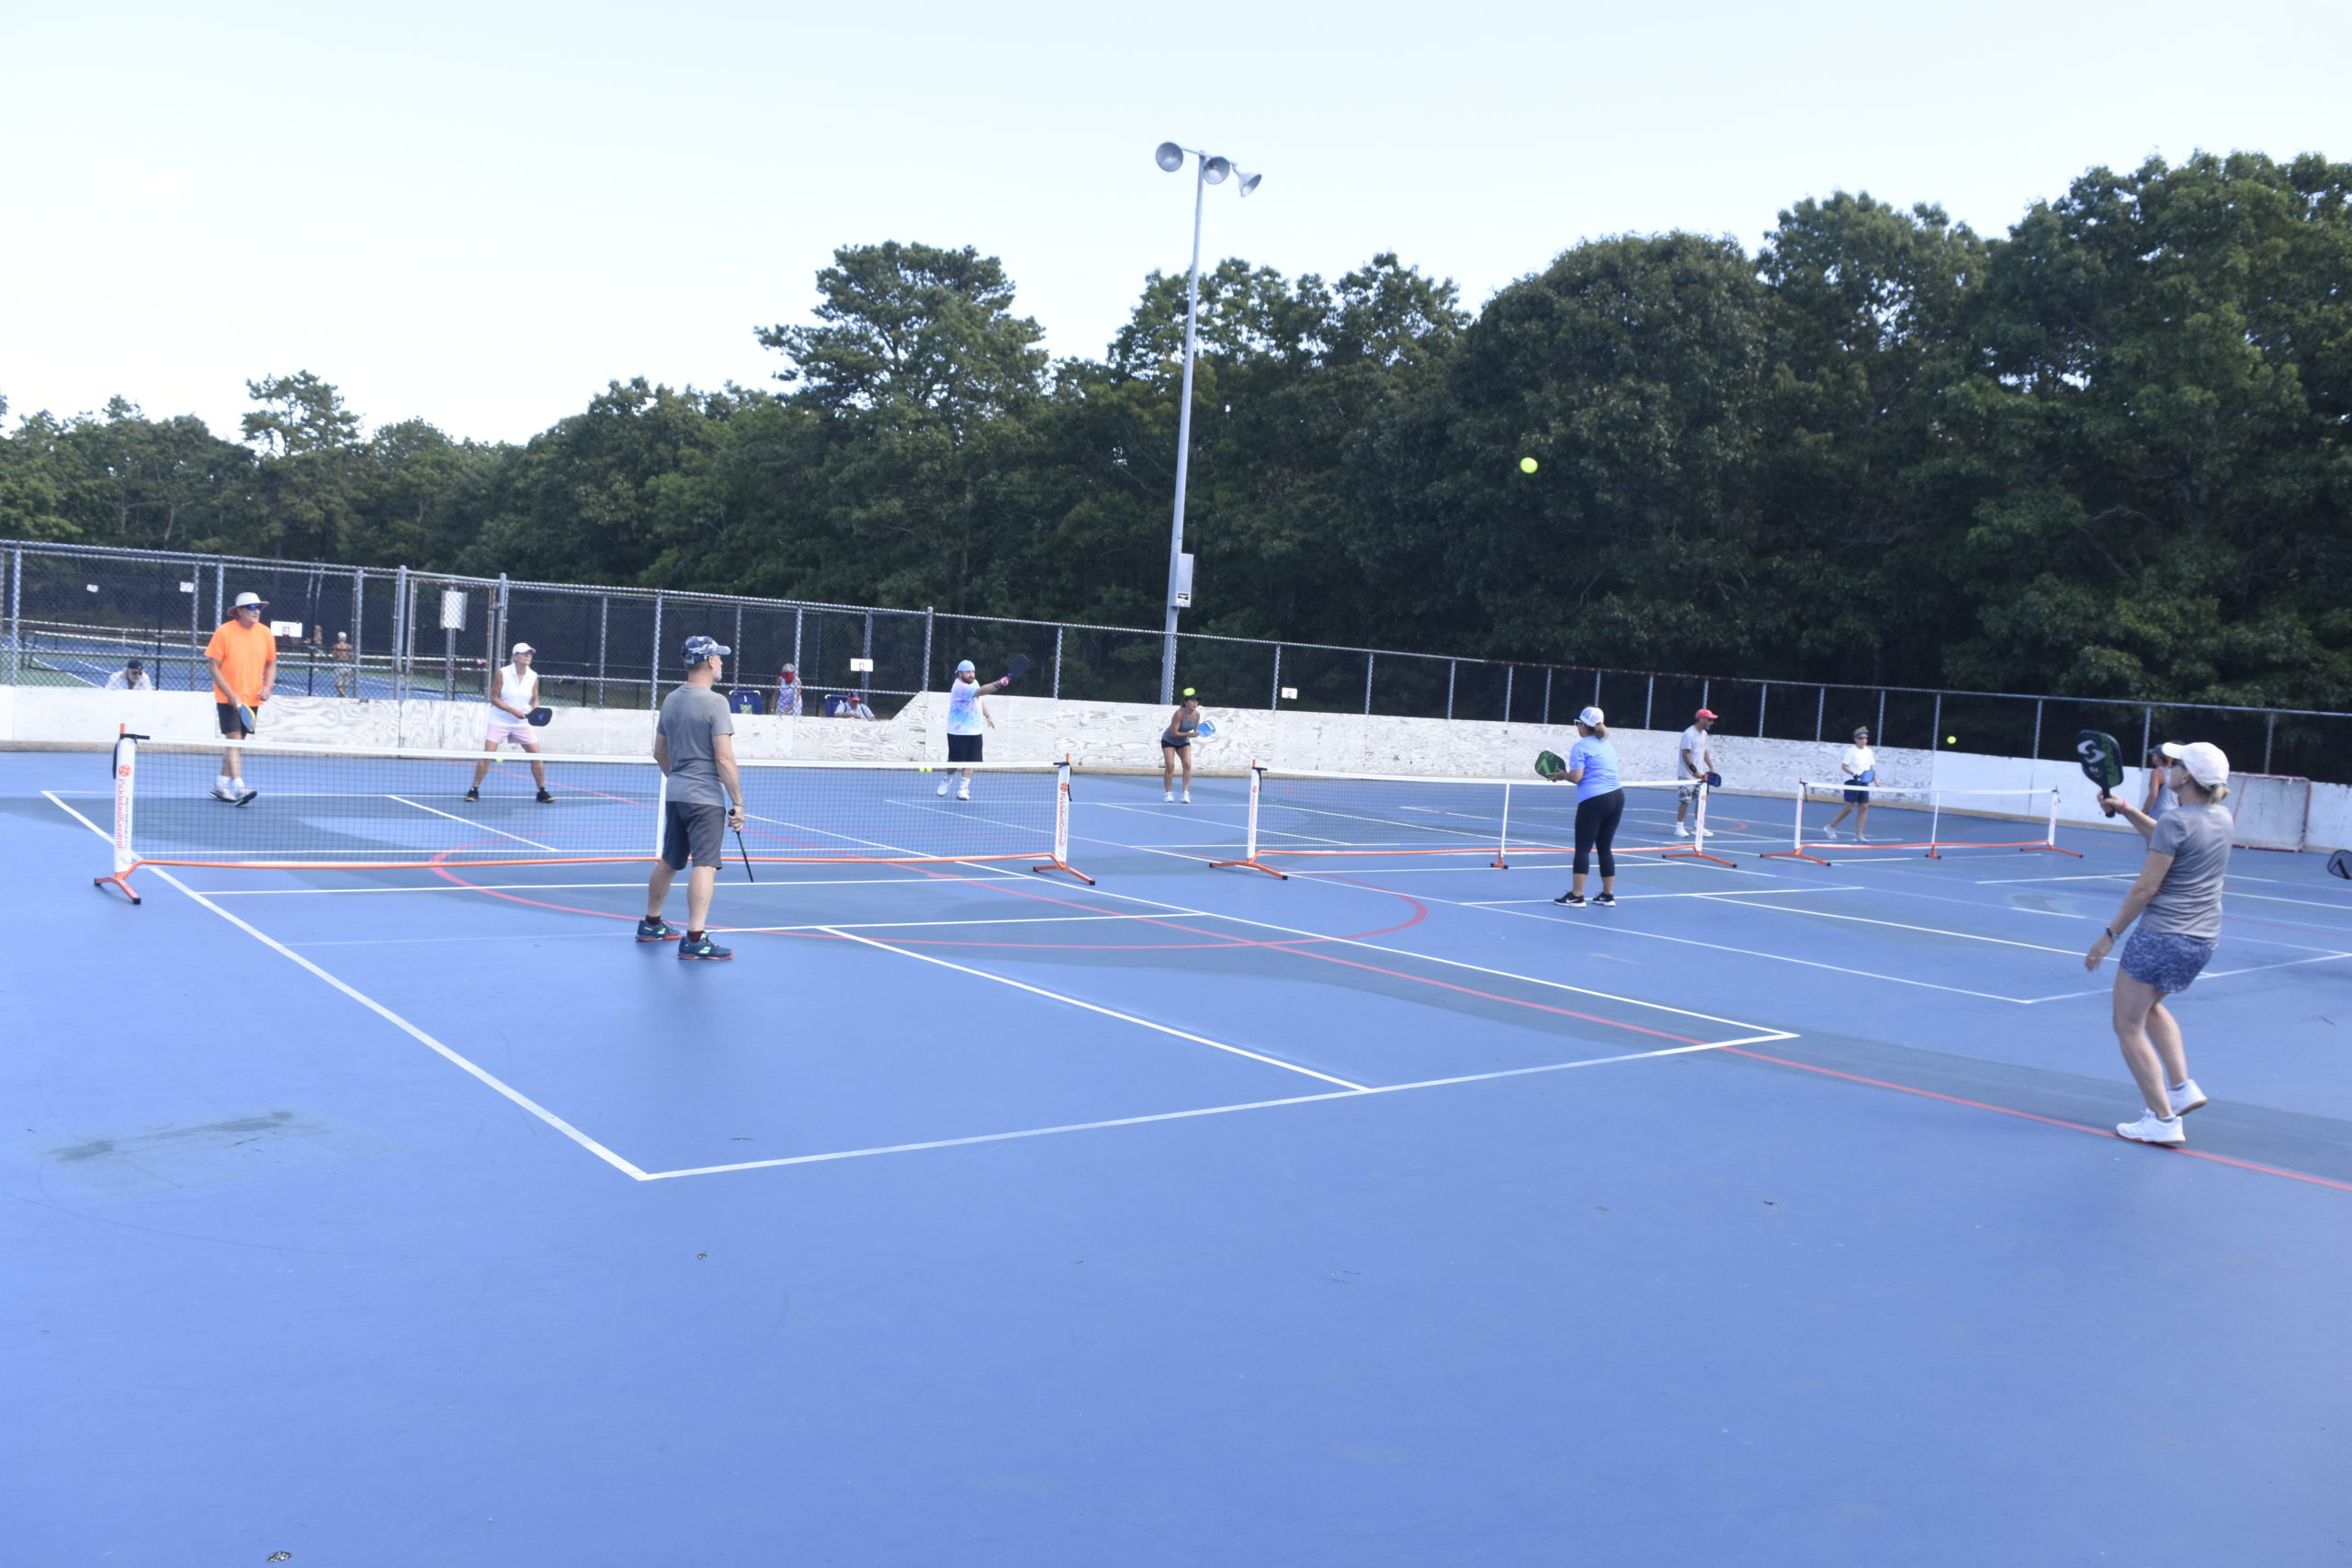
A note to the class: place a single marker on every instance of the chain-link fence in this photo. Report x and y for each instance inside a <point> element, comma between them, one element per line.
<point>76,614</point>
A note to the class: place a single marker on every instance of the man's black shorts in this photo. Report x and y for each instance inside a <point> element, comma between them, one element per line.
<point>230,723</point>
<point>964,748</point>
<point>694,832</point>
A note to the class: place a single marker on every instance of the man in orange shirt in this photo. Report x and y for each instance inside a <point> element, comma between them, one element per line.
<point>243,656</point>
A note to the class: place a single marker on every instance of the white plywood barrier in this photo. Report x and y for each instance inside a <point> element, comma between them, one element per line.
<point>1116,736</point>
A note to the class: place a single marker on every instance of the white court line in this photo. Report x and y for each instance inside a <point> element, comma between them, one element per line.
<point>1184,911</point>
<point>1205,1110</point>
<point>956,925</point>
<point>1091,1007</point>
<point>1907,926</point>
<point>387,1014</point>
<point>476,826</point>
<point>2079,876</point>
<point>638,883</point>
<point>1777,957</point>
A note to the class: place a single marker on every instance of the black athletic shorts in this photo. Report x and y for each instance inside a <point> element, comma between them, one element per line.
<point>964,748</point>
<point>230,723</point>
<point>1174,741</point>
<point>691,830</point>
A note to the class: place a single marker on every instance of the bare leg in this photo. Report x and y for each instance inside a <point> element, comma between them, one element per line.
<point>1167,769</point>
<point>699,887</point>
<point>1863,819</point>
<point>1187,755</point>
<point>539,769</point>
<point>657,888</point>
<point>2164,1033</point>
<point>2133,1001</point>
<point>229,766</point>
<point>1840,817</point>
<point>481,769</point>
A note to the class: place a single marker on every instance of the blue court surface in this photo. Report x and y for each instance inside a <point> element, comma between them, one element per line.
<point>1388,1214</point>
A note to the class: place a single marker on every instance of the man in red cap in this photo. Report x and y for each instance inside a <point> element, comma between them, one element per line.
<point>1692,765</point>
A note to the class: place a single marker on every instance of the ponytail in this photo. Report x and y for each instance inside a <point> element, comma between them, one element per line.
<point>1598,732</point>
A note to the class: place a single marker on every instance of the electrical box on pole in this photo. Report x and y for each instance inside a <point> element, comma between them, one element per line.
<point>1182,596</point>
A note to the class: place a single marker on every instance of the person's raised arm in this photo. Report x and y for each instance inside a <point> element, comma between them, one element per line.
<point>723,751</point>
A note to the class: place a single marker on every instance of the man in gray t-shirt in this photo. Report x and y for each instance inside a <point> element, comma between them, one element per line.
<point>694,744</point>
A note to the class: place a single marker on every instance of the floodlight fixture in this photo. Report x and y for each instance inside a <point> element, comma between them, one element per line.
<point>1169,157</point>
<point>1216,169</point>
<point>1248,181</point>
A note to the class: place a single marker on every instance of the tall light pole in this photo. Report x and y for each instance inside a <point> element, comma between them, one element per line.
<point>1213,170</point>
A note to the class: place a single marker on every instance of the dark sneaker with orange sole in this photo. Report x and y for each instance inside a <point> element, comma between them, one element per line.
<point>652,928</point>
<point>706,948</point>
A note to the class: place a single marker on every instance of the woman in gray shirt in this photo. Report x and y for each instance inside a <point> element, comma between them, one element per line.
<point>2177,901</point>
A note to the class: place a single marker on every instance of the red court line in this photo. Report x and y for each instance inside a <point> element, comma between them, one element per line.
<point>2034,1116</point>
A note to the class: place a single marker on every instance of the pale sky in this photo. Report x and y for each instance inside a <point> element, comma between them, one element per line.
<point>481,213</point>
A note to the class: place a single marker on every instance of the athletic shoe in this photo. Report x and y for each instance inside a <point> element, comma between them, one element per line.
<point>1573,901</point>
<point>545,799</point>
<point>706,948</point>
<point>943,792</point>
<point>246,796</point>
<point>473,794</point>
<point>964,793</point>
<point>1605,900</point>
<point>653,927</point>
<point>1170,797</point>
<point>1680,831</point>
<point>2185,1097</point>
<point>2152,1128</point>
<point>1188,797</point>
<point>222,793</point>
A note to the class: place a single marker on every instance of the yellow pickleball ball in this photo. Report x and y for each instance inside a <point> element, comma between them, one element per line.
<point>1526,464</point>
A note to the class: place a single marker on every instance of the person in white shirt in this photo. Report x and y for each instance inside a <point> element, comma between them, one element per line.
<point>131,677</point>
<point>1859,764</point>
<point>968,719</point>
<point>1691,766</point>
<point>516,694</point>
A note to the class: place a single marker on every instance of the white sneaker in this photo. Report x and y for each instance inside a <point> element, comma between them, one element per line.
<point>1680,831</point>
<point>1170,797</point>
<point>2185,1097</point>
<point>1188,797</point>
<point>943,790</point>
<point>221,792</point>
<point>2152,1128</point>
<point>964,793</point>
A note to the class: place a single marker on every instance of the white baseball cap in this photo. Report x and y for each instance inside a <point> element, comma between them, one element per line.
<point>792,669</point>
<point>524,647</point>
<point>255,599</point>
<point>2206,762</point>
<point>1591,719</point>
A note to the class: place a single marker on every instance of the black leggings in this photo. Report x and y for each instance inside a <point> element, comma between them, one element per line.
<point>1597,825</point>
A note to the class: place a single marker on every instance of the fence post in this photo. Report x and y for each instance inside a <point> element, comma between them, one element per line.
<point>1936,724</point>
<point>1820,711</point>
<point>195,617</point>
<point>1449,668</point>
<point>1548,695</point>
<point>16,610</point>
<point>1879,734</point>
<point>654,701</point>
<point>358,631</point>
<point>930,623</point>
<point>2269,734</point>
<point>1763,701</point>
<point>1368,661</point>
<point>1649,700</point>
<point>2147,732</point>
<point>1057,663</point>
<point>1276,701</point>
<point>399,633</point>
<point>2037,729</point>
<point>219,592</point>
<point>1704,688</point>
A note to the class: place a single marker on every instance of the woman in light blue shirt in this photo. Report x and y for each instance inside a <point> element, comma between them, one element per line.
<point>1600,802</point>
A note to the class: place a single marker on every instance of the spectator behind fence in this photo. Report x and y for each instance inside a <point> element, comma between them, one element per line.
<point>342,653</point>
<point>787,693</point>
<point>131,677</point>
